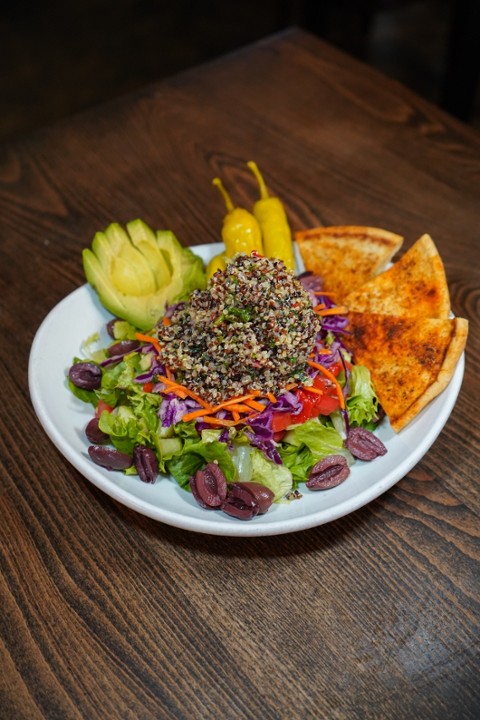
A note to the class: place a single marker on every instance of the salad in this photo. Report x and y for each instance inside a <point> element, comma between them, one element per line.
<point>244,393</point>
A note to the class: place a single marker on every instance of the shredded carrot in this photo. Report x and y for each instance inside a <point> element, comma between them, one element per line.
<point>195,414</point>
<point>149,339</point>
<point>215,421</point>
<point>166,321</point>
<point>255,405</point>
<point>169,373</point>
<point>321,351</point>
<point>235,415</point>
<point>321,293</point>
<point>235,400</point>
<point>219,422</point>
<point>240,407</point>
<point>339,310</point>
<point>311,389</point>
<point>227,405</point>
<point>331,377</point>
<point>271,397</point>
<point>177,389</point>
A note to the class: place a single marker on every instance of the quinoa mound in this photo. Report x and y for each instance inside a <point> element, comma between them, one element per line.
<point>252,328</point>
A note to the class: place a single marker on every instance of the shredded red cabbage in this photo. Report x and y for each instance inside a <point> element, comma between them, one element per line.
<point>268,447</point>
<point>114,359</point>
<point>311,282</point>
<point>261,425</point>
<point>286,402</point>
<point>156,368</point>
<point>173,409</point>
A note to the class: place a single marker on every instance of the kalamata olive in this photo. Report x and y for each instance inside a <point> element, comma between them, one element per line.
<point>86,375</point>
<point>241,502</point>
<point>122,347</point>
<point>146,464</point>
<point>94,434</point>
<point>263,495</point>
<point>364,445</point>
<point>328,473</point>
<point>110,327</point>
<point>109,458</point>
<point>209,486</point>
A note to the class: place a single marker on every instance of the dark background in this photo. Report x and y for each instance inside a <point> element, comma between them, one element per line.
<point>58,57</point>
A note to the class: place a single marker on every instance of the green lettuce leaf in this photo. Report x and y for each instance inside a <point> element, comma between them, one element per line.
<point>277,478</point>
<point>134,419</point>
<point>362,403</point>
<point>298,461</point>
<point>304,445</point>
<point>194,455</point>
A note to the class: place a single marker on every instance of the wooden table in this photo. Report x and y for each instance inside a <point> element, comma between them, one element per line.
<point>108,614</point>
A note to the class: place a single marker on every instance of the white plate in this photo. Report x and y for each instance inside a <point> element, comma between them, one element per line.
<point>64,418</point>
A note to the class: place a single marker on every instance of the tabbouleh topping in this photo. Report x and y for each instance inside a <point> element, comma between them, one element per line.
<point>252,328</point>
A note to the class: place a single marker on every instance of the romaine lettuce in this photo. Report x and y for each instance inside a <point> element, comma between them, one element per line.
<point>362,403</point>
<point>277,478</point>
<point>304,445</point>
<point>195,454</point>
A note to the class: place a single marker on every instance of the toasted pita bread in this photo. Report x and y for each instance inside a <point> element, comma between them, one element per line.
<point>415,285</point>
<point>411,360</point>
<point>345,257</point>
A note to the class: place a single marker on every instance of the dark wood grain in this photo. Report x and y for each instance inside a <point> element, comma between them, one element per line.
<point>106,613</point>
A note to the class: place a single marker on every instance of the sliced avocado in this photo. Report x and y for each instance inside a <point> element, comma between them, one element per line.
<point>188,272</point>
<point>173,253</point>
<point>169,246</point>
<point>129,269</point>
<point>103,249</point>
<point>117,267</point>
<point>143,238</point>
<point>117,238</point>
<point>98,279</point>
<point>192,272</point>
<point>141,312</point>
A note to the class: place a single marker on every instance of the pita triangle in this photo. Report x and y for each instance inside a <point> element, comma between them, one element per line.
<point>415,285</point>
<point>411,360</point>
<point>346,256</point>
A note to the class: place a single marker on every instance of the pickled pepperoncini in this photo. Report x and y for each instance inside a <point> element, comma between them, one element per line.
<point>240,231</point>
<point>218,262</point>
<point>272,218</point>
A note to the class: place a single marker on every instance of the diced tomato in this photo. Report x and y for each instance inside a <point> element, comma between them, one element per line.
<point>281,420</point>
<point>101,407</point>
<point>326,404</point>
<point>148,387</point>
<point>315,404</point>
<point>336,368</point>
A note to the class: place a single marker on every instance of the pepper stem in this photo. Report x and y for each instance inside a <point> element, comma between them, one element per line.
<point>228,200</point>
<point>264,195</point>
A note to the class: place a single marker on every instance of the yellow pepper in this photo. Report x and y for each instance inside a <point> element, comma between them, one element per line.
<point>241,231</point>
<point>272,218</point>
<point>218,262</point>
